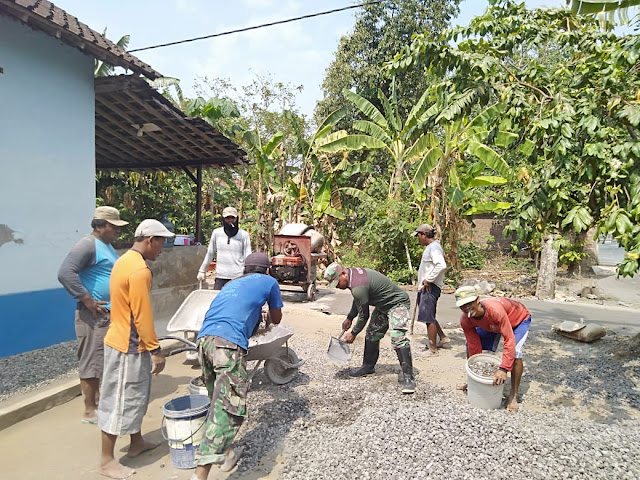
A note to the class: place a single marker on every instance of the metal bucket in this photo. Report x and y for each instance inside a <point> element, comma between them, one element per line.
<point>338,351</point>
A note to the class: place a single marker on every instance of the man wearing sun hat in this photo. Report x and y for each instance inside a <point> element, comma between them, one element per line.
<point>485,322</point>
<point>85,274</point>
<point>132,353</point>
<point>371,288</point>
<point>230,245</point>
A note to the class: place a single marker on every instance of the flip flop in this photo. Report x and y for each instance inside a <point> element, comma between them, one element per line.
<point>93,421</point>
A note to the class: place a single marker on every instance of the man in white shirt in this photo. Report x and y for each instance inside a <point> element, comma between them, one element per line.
<point>230,245</point>
<point>430,283</point>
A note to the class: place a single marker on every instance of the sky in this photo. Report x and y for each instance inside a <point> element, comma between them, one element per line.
<point>297,53</point>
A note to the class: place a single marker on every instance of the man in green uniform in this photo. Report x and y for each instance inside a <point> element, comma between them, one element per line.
<point>369,287</point>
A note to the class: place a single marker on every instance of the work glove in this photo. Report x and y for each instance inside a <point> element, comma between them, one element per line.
<point>201,276</point>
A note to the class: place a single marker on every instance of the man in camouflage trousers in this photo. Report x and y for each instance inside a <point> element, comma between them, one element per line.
<point>233,317</point>
<point>371,288</point>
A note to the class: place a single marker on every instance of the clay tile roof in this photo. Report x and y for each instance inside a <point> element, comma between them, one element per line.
<point>45,16</point>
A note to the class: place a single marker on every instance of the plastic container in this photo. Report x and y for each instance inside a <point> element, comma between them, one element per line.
<point>197,388</point>
<point>481,391</point>
<point>182,426</point>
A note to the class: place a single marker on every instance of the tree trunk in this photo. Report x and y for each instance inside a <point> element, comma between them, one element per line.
<point>591,249</point>
<point>546,286</point>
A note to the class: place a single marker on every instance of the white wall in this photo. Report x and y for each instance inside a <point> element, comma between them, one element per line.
<point>47,181</point>
<point>47,154</point>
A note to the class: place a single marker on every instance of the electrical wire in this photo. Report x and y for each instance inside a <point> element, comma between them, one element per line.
<point>279,22</point>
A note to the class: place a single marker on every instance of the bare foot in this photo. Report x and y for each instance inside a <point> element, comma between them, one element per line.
<point>231,459</point>
<point>141,447</point>
<point>512,404</point>
<point>431,352</point>
<point>462,388</point>
<point>116,470</point>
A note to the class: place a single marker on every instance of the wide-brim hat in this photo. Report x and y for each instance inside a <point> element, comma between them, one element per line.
<point>110,214</point>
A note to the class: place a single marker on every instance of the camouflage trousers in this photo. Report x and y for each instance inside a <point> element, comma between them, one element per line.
<point>224,370</point>
<point>397,318</point>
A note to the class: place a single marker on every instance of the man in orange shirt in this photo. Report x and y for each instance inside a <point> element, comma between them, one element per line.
<point>485,322</point>
<point>131,351</point>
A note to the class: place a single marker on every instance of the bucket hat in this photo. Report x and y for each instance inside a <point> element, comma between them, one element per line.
<point>466,294</point>
<point>110,214</point>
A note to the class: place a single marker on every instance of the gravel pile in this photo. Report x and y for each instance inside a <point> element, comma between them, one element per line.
<point>326,425</point>
<point>28,371</point>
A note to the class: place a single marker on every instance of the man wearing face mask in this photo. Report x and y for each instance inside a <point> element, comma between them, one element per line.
<point>485,322</point>
<point>230,245</point>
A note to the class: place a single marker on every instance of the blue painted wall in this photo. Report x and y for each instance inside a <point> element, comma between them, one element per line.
<point>47,181</point>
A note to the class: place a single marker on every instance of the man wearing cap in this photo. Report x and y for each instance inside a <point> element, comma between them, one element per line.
<point>233,317</point>
<point>85,274</point>
<point>369,287</point>
<point>430,283</point>
<point>484,322</point>
<point>230,245</point>
<point>132,352</point>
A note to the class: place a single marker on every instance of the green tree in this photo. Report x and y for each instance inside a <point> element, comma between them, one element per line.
<point>580,115</point>
<point>380,31</point>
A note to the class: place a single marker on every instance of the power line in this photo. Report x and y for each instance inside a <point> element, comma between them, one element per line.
<point>279,22</point>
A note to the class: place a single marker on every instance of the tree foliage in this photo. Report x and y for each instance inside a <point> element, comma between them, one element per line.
<point>577,118</point>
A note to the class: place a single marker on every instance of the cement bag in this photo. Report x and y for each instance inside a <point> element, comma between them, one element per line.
<point>317,240</point>
<point>583,332</point>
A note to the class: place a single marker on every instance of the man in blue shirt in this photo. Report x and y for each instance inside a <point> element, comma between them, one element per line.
<point>85,274</point>
<point>233,317</point>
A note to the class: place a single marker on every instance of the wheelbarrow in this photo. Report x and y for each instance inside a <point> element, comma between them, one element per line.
<point>269,346</point>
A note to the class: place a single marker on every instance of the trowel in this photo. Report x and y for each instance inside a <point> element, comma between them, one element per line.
<point>337,350</point>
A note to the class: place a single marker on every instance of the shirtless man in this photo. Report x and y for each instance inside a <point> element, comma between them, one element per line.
<point>485,322</point>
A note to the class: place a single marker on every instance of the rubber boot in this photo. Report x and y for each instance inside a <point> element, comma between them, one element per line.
<point>371,354</point>
<point>404,357</point>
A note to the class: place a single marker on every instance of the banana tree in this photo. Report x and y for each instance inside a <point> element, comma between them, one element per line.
<point>317,184</point>
<point>264,155</point>
<point>101,69</point>
<point>404,141</point>
<point>457,163</point>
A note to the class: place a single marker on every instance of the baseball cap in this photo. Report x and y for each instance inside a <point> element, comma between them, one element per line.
<point>424,228</point>
<point>332,274</point>
<point>110,214</point>
<point>257,259</point>
<point>466,294</point>
<point>230,212</point>
<point>152,228</point>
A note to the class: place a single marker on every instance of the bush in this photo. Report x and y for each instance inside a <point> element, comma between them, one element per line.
<point>471,256</point>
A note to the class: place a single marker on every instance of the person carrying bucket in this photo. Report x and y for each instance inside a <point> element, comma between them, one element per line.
<point>485,322</point>
<point>233,317</point>
<point>369,287</point>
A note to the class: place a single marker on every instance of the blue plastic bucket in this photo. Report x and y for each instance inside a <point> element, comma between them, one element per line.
<point>182,426</point>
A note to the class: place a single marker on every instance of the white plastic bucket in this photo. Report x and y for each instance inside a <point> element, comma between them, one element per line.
<point>182,427</point>
<point>481,391</point>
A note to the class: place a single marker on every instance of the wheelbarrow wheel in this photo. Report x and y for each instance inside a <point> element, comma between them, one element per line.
<point>278,373</point>
<point>311,292</point>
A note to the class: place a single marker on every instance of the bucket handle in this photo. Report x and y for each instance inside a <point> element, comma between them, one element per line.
<point>165,435</point>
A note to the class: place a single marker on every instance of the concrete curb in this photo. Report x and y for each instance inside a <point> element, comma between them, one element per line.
<point>40,401</point>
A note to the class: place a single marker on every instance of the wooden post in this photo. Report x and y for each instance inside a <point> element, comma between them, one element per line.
<point>546,286</point>
<point>199,204</point>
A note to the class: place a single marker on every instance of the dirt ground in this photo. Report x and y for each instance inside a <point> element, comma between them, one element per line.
<point>55,445</point>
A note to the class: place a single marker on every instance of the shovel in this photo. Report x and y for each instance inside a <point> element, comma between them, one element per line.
<point>338,351</point>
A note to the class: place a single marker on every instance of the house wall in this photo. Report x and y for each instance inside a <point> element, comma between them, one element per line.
<point>47,181</point>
